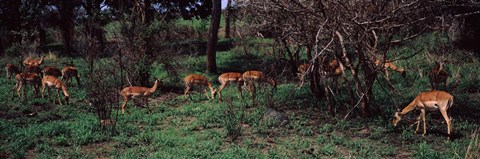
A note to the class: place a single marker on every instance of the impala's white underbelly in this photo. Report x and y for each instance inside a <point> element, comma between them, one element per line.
<point>137,95</point>
<point>50,84</point>
<point>431,105</point>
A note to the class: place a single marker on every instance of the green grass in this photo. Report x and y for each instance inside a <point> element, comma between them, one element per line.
<point>181,128</point>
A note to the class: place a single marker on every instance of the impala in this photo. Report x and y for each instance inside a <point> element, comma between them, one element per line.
<point>195,79</point>
<point>428,101</point>
<point>230,77</point>
<point>332,70</point>
<point>33,69</point>
<point>253,76</point>
<point>137,92</point>
<point>438,75</point>
<point>389,65</point>
<point>33,62</point>
<point>51,71</point>
<point>302,71</point>
<point>11,69</point>
<point>51,81</point>
<point>68,72</point>
<point>27,78</point>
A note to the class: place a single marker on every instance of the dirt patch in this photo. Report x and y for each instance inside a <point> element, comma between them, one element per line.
<point>99,149</point>
<point>30,154</point>
<point>15,112</point>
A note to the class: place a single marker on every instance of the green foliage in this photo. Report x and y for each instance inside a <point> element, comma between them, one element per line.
<point>425,150</point>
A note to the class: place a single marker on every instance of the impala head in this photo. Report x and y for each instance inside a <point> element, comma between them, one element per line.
<point>396,118</point>
<point>41,60</point>
<point>403,73</point>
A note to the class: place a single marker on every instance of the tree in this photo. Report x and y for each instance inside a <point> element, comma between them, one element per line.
<point>228,18</point>
<point>213,36</point>
<point>356,33</point>
<point>67,24</point>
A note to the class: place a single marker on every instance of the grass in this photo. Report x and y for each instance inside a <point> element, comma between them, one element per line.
<point>180,128</point>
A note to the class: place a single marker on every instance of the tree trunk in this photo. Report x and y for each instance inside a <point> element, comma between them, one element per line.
<point>2,51</point>
<point>370,76</point>
<point>93,25</point>
<point>212,38</point>
<point>227,18</point>
<point>67,25</point>
<point>315,76</point>
<point>42,36</point>
<point>15,22</point>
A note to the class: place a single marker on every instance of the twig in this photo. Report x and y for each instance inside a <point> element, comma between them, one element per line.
<point>356,105</point>
<point>128,79</point>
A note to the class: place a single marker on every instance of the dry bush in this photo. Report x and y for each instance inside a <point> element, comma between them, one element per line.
<point>102,80</point>
<point>354,32</point>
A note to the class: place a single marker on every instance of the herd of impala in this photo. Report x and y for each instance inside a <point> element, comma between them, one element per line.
<point>48,77</point>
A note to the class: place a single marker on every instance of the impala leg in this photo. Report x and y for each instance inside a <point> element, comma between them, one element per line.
<point>43,89</point>
<point>187,92</point>
<point>418,122</point>
<point>146,103</point>
<point>447,120</point>
<point>36,90</point>
<point>254,91</point>
<point>220,91</point>
<point>58,96</point>
<point>205,91</point>
<point>15,89</point>
<point>239,89</point>
<point>424,122</point>
<point>125,100</point>
<point>19,88</point>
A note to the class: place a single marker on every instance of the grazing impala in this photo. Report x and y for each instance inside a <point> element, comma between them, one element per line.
<point>33,62</point>
<point>68,72</point>
<point>428,101</point>
<point>27,78</point>
<point>51,81</point>
<point>389,65</point>
<point>438,75</point>
<point>137,92</point>
<point>230,77</point>
<point>253,76</point>
<point>11,69</point>
<point>51,71</point>
<point>195,79</point>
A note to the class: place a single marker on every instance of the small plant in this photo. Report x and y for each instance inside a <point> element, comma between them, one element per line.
<point>233,119</point>
<point>407,135</point>
<point>328,149</point>
<point>325,128</point>
<point>426,151</point>
<point>473,150</point>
